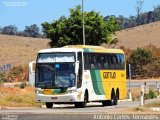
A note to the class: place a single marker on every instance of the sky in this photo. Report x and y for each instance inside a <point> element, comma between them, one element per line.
<point>27,12</point>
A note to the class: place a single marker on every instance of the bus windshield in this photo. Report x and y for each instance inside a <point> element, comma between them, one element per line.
<point>59,72</point>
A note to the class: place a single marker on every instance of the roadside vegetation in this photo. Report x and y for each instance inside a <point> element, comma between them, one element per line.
<point>153,104</point>
<point>135,91</point>
<point>68,30</point>
<point>152,94</point>
<point>17,97</point>
<point>145,61</point>
<point>148,107</point>
<point>18,73</point>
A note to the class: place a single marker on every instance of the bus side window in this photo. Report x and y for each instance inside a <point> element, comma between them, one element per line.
<point>86,61</point>
<point>121,58</point>
<point>100,59</point>
<point>107,61</point>
<point>93,61</point>
<point>117,61</point>
<point>111,61</point>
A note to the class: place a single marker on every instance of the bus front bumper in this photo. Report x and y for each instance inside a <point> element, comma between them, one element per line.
<point>66,98</point>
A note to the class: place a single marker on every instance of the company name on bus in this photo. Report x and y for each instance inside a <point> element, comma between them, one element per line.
<point>111,75</point>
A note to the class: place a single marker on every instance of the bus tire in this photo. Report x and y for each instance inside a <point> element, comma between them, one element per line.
<point>49,104</point>
<point>115,100</point>
<point>82,104</point>
<point>106,103</point>
<point>111,102</point>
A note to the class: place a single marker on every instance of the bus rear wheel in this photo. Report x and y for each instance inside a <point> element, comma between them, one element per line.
<point>106,103</point>
<point>49,104</point>
<point>113,101</point>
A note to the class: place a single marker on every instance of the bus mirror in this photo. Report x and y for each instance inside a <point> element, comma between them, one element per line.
<point>32,73</point>
<point>77,67</point>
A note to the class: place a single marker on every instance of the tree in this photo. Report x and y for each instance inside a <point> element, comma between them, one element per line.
<point>9,30</point>
<point>140,58</point>
<point>68,31</point>
<point>31,31</point>
<point>138,9</point>
<point>157,12</point>
<point>132,22</point>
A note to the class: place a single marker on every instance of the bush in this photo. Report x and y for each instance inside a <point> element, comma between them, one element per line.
<point>22,85</point>
<point>152,94</point>
<point>139,58</point>
<point>2,78</point>
<point>1,82</point>
<point>18,74</point>
<point>145,61</point>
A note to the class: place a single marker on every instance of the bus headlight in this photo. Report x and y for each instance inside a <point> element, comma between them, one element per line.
<point>71,91</point>
<point>39,91</point>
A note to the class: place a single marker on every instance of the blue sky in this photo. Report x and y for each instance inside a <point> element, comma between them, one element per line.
<point>27,12</point>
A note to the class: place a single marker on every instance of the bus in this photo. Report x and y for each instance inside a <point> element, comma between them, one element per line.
<point>78,74</point>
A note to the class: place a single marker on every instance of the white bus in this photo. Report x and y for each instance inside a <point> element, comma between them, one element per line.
<point>80,74</point>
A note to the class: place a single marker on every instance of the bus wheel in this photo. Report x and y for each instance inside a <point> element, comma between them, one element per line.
<point>115,100</point>
<point>111,102</point>
<point>106,103</point>
<point>49,104</point>
<point>82,104</point>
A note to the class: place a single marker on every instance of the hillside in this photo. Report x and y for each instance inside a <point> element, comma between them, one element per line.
<point>19,50</point>
<point>140,36</point>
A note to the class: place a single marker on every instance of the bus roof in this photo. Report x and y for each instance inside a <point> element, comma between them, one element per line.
<point>84,48</point>
<point>98,49</point>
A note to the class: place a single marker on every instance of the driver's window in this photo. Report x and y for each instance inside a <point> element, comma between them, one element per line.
<point>79,78</point>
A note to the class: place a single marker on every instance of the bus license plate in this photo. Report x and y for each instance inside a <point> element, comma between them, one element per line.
<point>53,98</point>
<point>47,92</point>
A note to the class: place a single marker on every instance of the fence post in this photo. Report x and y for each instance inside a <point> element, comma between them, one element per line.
<point>158,90</point>
<point>142,96</point>
<point>130,76</point>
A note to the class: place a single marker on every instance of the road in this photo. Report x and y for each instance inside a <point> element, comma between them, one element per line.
<point>68,112</point>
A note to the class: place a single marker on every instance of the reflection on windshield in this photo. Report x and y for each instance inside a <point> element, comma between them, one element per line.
<point>55,75</point>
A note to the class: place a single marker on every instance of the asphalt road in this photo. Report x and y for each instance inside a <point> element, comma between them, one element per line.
<point>83,117</point>
<point>69,112</point>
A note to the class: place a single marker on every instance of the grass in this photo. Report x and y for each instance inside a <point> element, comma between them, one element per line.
<point>139,36</point>
<point>153,104</point>
<point>139,109</point>
<point>136,93</point>
<point>17,50</point>
<point>16,97</point>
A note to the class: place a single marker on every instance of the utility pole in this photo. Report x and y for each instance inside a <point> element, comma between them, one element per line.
<point>83,24</point>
